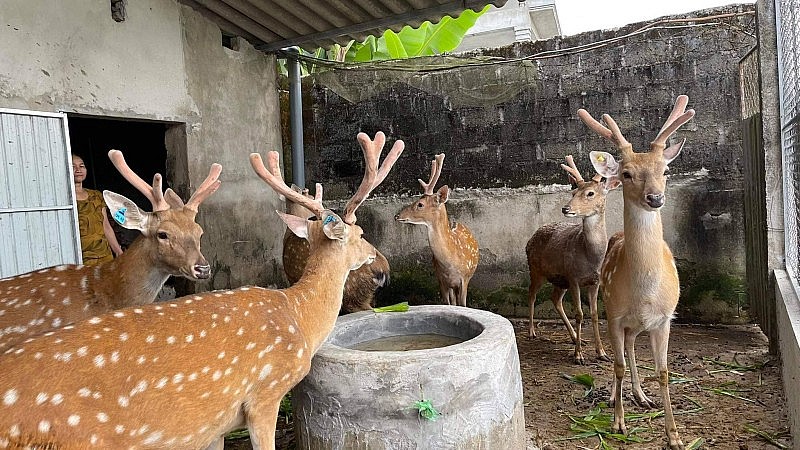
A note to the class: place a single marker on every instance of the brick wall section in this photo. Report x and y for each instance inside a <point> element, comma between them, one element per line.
<point>522,141</point>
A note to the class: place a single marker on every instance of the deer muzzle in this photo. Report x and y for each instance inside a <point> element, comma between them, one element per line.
<point>655,200</point>
<point>201,271</point>
<point>567,211</point>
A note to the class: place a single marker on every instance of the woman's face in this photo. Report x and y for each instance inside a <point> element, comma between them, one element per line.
<point>78,169</point>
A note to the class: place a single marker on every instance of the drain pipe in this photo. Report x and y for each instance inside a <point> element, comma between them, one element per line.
<point>296,118</point>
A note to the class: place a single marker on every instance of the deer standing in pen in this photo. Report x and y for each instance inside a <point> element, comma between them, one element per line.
<point>359,289</point>
<point>37,302</point>
<point>221,359</point>
<point>455,250</point>
<point>639,278</point>
<point>569,255</point>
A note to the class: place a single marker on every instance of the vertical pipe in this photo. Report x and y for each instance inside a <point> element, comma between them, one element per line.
<point>296,121</point>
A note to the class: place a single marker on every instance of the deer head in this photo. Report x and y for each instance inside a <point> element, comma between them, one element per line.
<point>588,197</point>
<point>643,175</point>
<point>173,235</point>
<point>330,230</point>
<point>430,207</point>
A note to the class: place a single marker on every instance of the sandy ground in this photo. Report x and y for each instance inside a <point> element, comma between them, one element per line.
<point>726,391</point>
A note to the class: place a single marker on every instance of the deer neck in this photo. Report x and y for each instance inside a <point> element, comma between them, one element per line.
<point>136,273</point>
<point>318,296</point>
<point>440,236</point>
<point>594,235</point>
<point>644,237</point>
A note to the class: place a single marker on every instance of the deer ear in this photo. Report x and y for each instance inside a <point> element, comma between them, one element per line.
<point>298,225</point>
<point>333,226</point>
<point>672,152</point>
<point>609,184</point>
<point>604,164</point>
<point>127,214</point>
<point>443,194</point>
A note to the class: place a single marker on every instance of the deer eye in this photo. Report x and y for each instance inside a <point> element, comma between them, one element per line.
<point>162,235</point>
<point>626,175</point>
<point>420,205</point>
<point>590,194</point>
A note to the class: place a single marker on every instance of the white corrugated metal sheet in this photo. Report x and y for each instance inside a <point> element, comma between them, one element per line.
<point>274,24</point>
<point>37,216</point>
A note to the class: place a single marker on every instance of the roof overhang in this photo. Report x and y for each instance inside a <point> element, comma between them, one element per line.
<point>275,24</point>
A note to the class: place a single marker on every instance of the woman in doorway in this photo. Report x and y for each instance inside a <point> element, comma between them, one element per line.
<point>97,236</point>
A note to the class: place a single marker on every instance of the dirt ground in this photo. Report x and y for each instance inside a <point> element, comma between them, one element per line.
<point>726,392</point>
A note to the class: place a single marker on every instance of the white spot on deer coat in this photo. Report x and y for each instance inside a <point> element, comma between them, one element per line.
<point>73,420</point>
<point>99,361</point>
<point>265,371</point>
<point>41,397</point>
<point>10,397</point>
<point>44,426</point>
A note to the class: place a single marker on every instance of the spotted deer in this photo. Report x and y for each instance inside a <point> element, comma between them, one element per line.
<point>638,277</point>
<point>569,255</point>
<point>361,284</point>
<point>36,302</point>
<point>221,359</point>
<point>455,250</point>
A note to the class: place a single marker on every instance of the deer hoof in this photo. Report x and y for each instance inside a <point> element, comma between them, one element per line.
<point>676,444</point>
<point>603,357</point>
<point>579,359</point>
<point>643,401</point>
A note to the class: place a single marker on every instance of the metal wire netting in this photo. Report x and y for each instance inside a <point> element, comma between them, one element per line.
<point>789,67</point>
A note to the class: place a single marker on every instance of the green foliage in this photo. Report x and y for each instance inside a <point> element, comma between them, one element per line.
<point>427,40</point>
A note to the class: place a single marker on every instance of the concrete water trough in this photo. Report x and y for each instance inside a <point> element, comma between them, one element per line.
<point>366,380</point>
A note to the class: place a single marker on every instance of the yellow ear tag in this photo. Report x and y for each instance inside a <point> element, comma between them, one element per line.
<point>600,158</point>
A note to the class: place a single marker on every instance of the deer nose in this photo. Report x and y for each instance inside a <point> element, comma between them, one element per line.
<point>202,271</point>
<point>655,200</point>
<point>565,210</point>
<point>397,217</point>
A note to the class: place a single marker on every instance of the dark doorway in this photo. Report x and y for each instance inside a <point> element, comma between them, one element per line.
<point>144,144</point>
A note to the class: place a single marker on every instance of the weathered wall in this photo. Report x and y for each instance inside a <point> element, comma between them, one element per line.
<point>507,156</point>
<point>164,62</point>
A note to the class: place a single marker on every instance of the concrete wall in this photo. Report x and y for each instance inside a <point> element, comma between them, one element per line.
<point>506,156</point>
<point>164,62</point>
<point>788,316</point>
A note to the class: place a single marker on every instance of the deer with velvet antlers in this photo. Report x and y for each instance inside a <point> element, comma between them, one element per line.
<point>455,250</point>
<point>361,284</point>
<point>37,302</point>
<point>639,278</point>
<point>222,359</point>
<point>569,255</point>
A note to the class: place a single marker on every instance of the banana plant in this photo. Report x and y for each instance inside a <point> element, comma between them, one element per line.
<point>427,40</point>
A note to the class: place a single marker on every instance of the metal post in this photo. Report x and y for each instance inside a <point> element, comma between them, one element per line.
<point>296,121</point>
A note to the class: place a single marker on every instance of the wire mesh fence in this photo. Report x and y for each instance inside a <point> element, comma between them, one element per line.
<point>789,69</point>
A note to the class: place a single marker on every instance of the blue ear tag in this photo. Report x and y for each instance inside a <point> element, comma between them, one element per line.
<point>328,220</point>
<point>119,216</point>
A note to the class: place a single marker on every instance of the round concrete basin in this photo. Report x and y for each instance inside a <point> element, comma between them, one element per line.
<point>366,380</point>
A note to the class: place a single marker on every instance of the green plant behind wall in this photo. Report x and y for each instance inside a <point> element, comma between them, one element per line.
<point>427,40</point>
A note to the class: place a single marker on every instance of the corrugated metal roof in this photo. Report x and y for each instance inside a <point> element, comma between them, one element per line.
<point>275,24</point>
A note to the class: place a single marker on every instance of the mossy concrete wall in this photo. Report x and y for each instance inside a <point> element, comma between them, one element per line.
<point>503,159</point>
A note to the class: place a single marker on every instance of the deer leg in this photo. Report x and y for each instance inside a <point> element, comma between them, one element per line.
<point>462,293</point>
<point>659,342</point>
<point>536,284</point>
<point>598,343</point>
<point>262,418</point>
<point>444,292</point>
<point>575,292</point>
<point>638,394</point>
<point>558,300</point>
<point>617,336</point>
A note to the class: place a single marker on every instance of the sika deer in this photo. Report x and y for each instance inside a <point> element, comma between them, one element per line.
<point>569,255</point>
<point>455,250</point>
<point>220,359</point>
<point>359,289</point>
<point>37,302</point>
<point>639,278</point>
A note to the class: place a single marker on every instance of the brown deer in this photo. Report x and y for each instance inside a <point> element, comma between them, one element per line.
<point>359,289</point>
<point>222,359</point>
<point>639,278</point>
<point>455,250</point>
<point>569,255</point>
<point>37,302</point>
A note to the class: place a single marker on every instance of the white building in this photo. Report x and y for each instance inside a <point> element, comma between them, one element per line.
<point>516,21</point>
